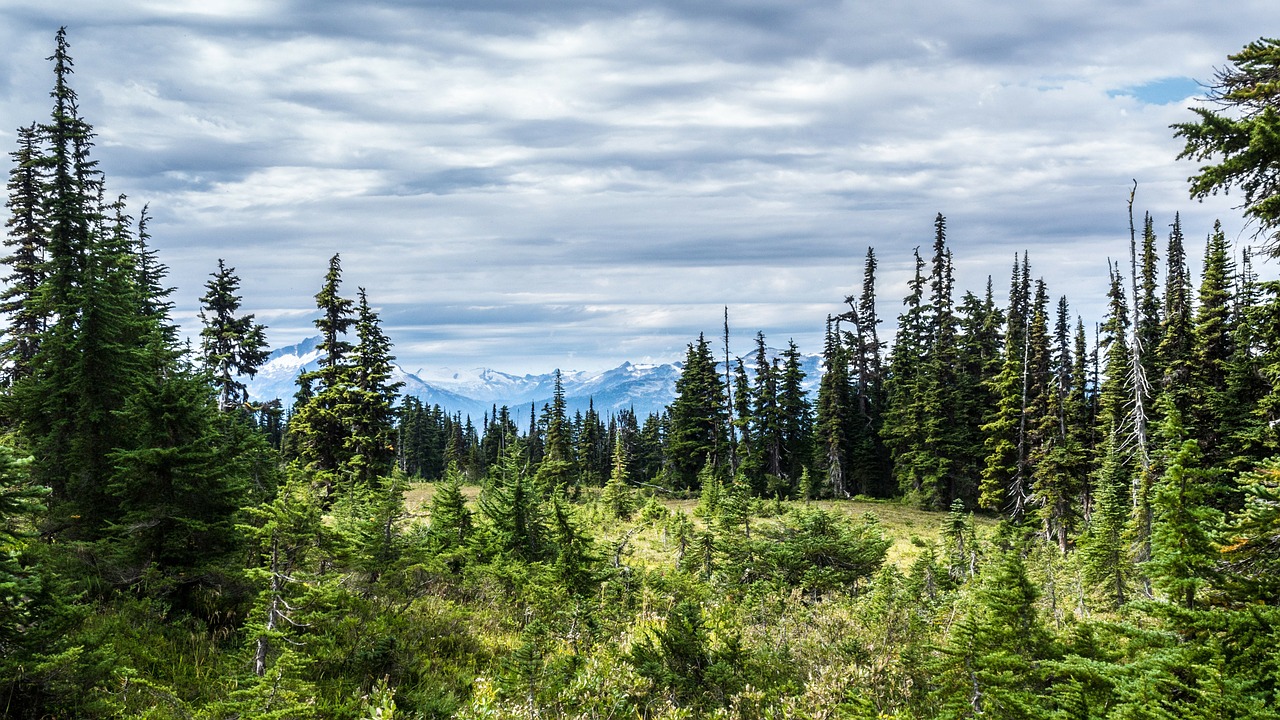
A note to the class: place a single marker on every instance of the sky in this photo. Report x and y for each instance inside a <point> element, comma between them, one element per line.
<point>537,185</point>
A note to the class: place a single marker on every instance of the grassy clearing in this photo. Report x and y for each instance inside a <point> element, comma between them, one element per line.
<point>647,543</point>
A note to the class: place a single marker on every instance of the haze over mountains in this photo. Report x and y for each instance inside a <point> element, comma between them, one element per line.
<point>645,388</point>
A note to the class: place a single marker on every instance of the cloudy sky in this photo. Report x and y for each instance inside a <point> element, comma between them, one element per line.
<point>528,185</point>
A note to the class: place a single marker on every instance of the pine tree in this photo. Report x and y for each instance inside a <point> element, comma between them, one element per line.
<point>319,427</point>
<point>1108,563</point>
<point>979,360</point>
<point>834,415</point>
<point>451,521</point>
<point>26,239</point>
<point>1147,320</point>
<point>514,514</point>
<point>765,423</point>
<point>556,470</point>
<point>1005,431</point>
<point>866,457</point>
<point>796,418</point>
<point>1184,543</point>
<point>1174,349</point>
<point>231,346</point>
<point>904,421</point>
<point>1059,465</point>
<point>747,460</point>
<point>1212,348</point>
<point>992,665</point>
<point>175,482</point>
<point>1039,422</point>
<point>1245,142</point>
<point>99,345</point>
<point>699,421</point>
<point>617,496</point>
<point>370,447</point>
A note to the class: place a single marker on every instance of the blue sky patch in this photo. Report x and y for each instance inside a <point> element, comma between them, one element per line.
<point>1163,91</point>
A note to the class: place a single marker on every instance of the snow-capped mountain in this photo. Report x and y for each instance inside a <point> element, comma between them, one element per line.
<point>645,388</point>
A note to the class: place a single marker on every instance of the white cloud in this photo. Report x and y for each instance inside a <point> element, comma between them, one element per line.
<point>524,186</point>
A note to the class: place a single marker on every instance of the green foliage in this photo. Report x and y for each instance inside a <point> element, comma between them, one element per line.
<point>699,423</point>
<point>617,496</point>
<point>231,345</point>
<point>1244,142</point>
<point>991,665</point>
<point>819,552</point>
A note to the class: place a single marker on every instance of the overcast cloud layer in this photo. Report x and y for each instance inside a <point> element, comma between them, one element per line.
<point>528,186</point>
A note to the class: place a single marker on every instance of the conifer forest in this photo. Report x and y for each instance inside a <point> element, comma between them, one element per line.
<point>998,509</point>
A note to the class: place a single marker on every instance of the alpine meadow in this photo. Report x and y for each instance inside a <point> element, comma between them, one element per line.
<point>997,509</point>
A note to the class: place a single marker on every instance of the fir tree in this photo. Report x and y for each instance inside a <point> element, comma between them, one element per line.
<point>904,421</point>
<point>1212,348</point>
<point>231,345</point>
<point>698,419</point>
<point>371,417</point>
<point>1005,431</point>
<point>617,495</point>
<point>834,416</point>
<point>796,419</point>
<point>556,469</point>
<point>450,518</point>
<point>26,238</point>
<point>320,426</point>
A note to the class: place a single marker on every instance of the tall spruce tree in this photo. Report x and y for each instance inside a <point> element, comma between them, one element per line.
<point>26,239</point>
<point>1005,431</point>
<point>796,418</point>
<point>834,416</point>
<point>699,434</point>
<point>1212,350</point>
<point>904,421</point>
<point>319,427</point>
<point>370,446</point>
<point>556,470</point>
<point>232,346</point>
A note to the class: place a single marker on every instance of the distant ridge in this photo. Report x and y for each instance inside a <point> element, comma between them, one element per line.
<point>644,388</point>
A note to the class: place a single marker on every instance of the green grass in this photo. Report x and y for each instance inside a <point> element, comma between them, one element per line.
<point>905,525</point>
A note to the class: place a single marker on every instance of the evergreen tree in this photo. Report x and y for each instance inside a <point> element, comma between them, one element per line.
<point>993,663</point>
<point>231,346</point>
<point>515,520</point>
<point>765,423</point>
<point>556,470</point>
<point>175,482</point>
<point>1184,547</point>
<point>1212,350</point>
<point>1246,143</point>
<point>450,517</point>
<point>867,458</point>
<point>26,239</point>
<point>99,346</point>
<point>320,426</point>
<point>904,421</point>
<point>370,447</point>
<point>979,360</point>
<point>745,455</point>
<point>1108,563</point>
<point>1059,463</point>
<point>1005,432</point>
<point>1147,320</point>
<point>834,417</point>
<point>796,418</point>
<point>698,419</point>
<point>1174,350</point>
<point>617,496</point>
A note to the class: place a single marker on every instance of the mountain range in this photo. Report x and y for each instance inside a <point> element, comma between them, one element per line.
<point>644,388</point>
